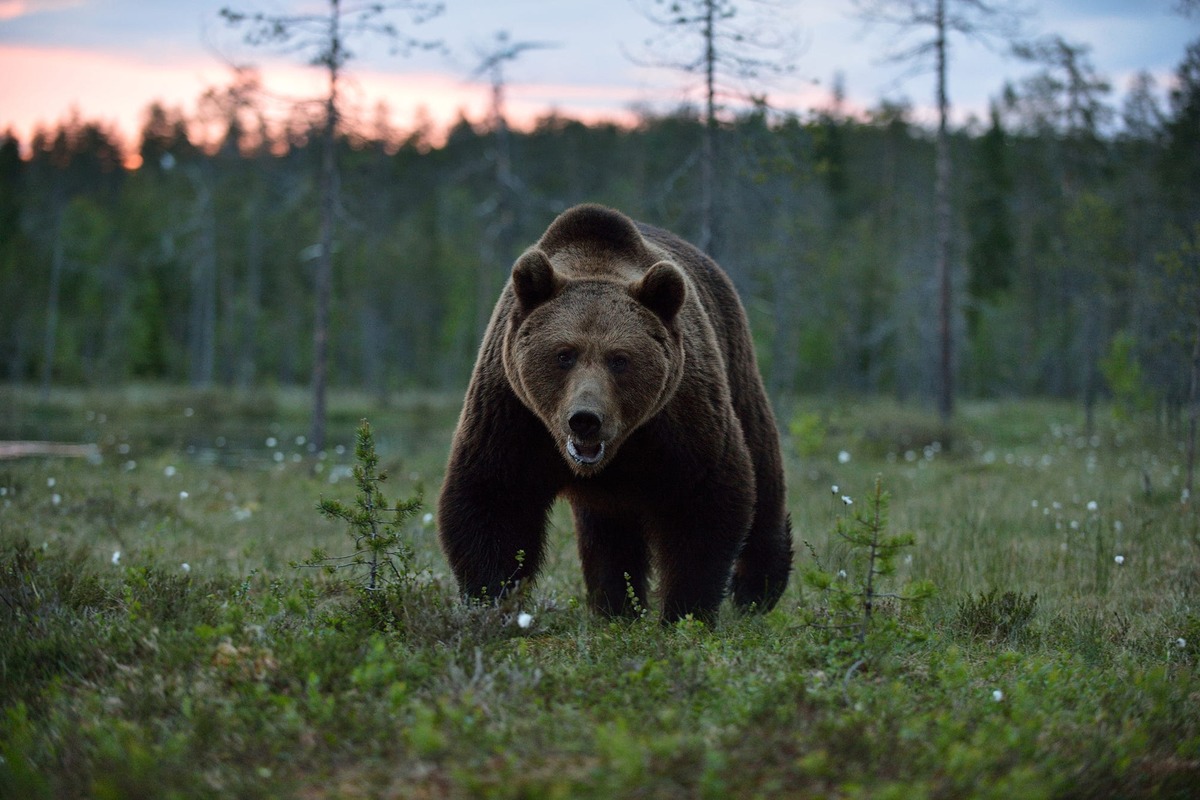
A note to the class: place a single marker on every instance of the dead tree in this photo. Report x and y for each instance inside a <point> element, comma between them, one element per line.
<point>932,22</point>
<point>323,38</point>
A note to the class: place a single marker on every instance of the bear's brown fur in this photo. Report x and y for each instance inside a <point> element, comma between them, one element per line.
<point>618,371</point>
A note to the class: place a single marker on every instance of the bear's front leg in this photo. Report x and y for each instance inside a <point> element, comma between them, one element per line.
<point>613,552</point>
<point>495,499</point>
<point>492,540</point>
<point>696,542</point>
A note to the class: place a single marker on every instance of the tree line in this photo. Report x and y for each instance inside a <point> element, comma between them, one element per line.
<point>1075,256</point>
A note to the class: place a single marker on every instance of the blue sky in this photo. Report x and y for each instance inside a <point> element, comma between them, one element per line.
<point>110,58</point>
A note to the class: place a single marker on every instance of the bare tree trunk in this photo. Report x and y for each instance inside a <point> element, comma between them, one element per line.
<point>323,280</point>
<point>708,156</point>
<point>203,316</point>
<point>247,355</point>
<point>1193,411</point>
<point>943,224</point>
<point>49,346</point>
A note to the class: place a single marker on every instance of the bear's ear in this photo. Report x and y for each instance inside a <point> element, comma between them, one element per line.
<point>661,290</point>
<point>534,279</point>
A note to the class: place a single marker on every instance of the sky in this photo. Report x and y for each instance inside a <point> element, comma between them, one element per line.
<point>109,59</point>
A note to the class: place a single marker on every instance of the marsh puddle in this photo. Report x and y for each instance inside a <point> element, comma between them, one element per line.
<point>208,436</point>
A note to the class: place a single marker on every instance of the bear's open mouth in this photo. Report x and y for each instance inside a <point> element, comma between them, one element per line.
<point>585,453</point>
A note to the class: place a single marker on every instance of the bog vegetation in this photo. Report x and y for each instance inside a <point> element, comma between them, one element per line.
<point>1032,629</point>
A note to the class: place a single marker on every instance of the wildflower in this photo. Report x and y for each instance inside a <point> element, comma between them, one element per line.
<point>278,457</point>
<point>183,495</point>
<point>834,489</point>
<point>116,557</point>
<point>50,483</point>
<point>427,519</point>
<point>1119,559</point>
<point>1181,642</point>
<point>843,457</point>
<point>846,499</point>
<point>55,498</point>
<point>187,412</point>
<point>524,620</point>
<point>842,573</point>
<point>186,567</point>
<point>300,440</point>
<point>997,695</point>
<point>1184,495</point>
<point>1034,504</point>
<point>1092,505</point>
<point>272,441</point>
<point>129,466</point>
<point>169,471</point>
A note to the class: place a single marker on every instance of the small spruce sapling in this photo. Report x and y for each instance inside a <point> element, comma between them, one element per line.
<point>373,523</point>
<point>852,603</point>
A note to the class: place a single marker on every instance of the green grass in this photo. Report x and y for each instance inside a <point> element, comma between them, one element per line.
<point>241,676</point>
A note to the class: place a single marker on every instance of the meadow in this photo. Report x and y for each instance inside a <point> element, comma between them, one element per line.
<point>159,639</point>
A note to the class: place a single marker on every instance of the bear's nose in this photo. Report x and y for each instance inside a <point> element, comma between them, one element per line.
<point>584,424</point>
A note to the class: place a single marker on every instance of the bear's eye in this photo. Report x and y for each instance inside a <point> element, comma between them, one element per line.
<point>618,364</point>
<point>566,359</point>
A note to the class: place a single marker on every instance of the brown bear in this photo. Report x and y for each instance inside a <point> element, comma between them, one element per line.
<point>618,371</point>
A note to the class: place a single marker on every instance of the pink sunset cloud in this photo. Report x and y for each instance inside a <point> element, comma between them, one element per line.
<point>44,84</point>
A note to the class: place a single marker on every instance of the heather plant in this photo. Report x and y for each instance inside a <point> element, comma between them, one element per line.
<point>995,617</point>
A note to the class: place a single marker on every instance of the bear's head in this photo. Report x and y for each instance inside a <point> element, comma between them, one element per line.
<point>593,346</point>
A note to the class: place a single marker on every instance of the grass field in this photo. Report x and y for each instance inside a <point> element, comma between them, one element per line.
<point>158,642</point>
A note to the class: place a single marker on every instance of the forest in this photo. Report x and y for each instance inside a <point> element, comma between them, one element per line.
<point>1075,254</point>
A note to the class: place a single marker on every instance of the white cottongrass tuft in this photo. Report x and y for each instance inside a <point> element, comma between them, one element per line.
<point>997,695</point>
<point>169,471</point>
<point>846,499</point>
<point>524,619</point>
<point>844,457</point>
<point>1119,559</point>
<point>1093,505</point>
<point>186,567</point>
<point>116,557</point>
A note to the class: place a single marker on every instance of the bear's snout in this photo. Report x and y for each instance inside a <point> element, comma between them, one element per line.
<point>585,424</point>
<point>586,443</point>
